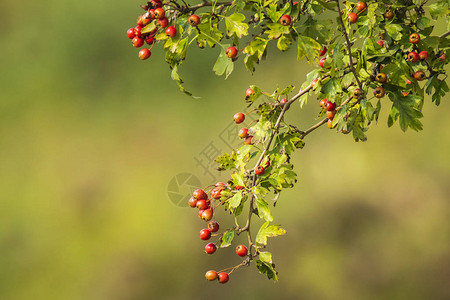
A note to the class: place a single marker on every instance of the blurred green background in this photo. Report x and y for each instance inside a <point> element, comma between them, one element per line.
<point>91,136</point>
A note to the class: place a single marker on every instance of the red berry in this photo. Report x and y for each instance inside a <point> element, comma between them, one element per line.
<point>408,81</point>
<point>285,20</point>
<point>379,92</point>
<point>259,170</point>
<point>241,250</point>
<point>381,43</point>
<point>205,234</point>
<point>389,14</point>
<point>239,118</point>
<point>322,61</point>
<point>137,42</point>
<point>144,53</point>
<point>200,194</point>
<point>248,140</point>
<point>192,202</point>
<point>231,52</point>
<point>360,6</point>
<point>243,133</point>
<point>171,31</point>
<point>331,106</point>
<point>249,92</point>
<point>211,275</point>
<point>164,22</point>
<point>151,13</point>
<point>207,214</point>
<point>160,13</point>
<point>414,38</point>
<point>130,33</point>
<point>413,56</point>
<point>201,204</point>
<point>323,103</point>
<point>156,3</point>
<point>423,55</point>
<point>381,78</point>
<point>200,213</point>
<point>146,19</point>
<point>223,277</point>
<point>194,20</point>
<point>210,248</point>
<point>150,40</point>
<point>283,101</point>
<point>213,226</point>
<point>352,17</point>
<point>220,184</point>
<point>357,93</point>
<point>331,114</point>
<point>419,75</point>
<point>139,21</point>
<point>323,51</point>
<point>137,31</point>
<point>216,192</point>
<point>442,57</point>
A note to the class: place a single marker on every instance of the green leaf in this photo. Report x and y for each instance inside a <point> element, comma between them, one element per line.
<point>394,31</point>
<point>238,179</point>
<point>227,239</point>
<point>307,47</point>
<point>226,161</point>
<point>407,112</point>
<point>265,257</point>
<point>268,231</point>
<point>235,201</point>
<point>223,64</point>
<point>263,209</point>
<point>235,25</point>
<point>276,30</point>
<point>267,269</point>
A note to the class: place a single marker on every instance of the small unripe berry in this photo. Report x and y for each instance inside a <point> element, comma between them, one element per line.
<point>239,118</point>
<point>243,133</point>
<point>381,78</point>
<point>210,248</point>
<point>211,275</point>
<point>205,234</point>
<point>379,92</point>
<point>194,20</point>
<point>241,250</point>
<point>285,20</point>
<point>330,123</point>
<point>231,52</point>
<point>414,38</point>
<point>223,277</point>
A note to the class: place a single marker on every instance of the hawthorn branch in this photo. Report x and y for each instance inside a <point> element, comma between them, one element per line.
<point>349,48</point>
<point>187,9</point>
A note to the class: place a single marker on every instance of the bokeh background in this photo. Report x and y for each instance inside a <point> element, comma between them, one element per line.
<point>90,137</point>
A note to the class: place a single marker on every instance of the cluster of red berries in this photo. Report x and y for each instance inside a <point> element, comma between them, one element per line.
<point>154,12</point>
<point>239,118</point>
<point>201,201</point>
<point>360,7</point>
<point>330,107</point>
